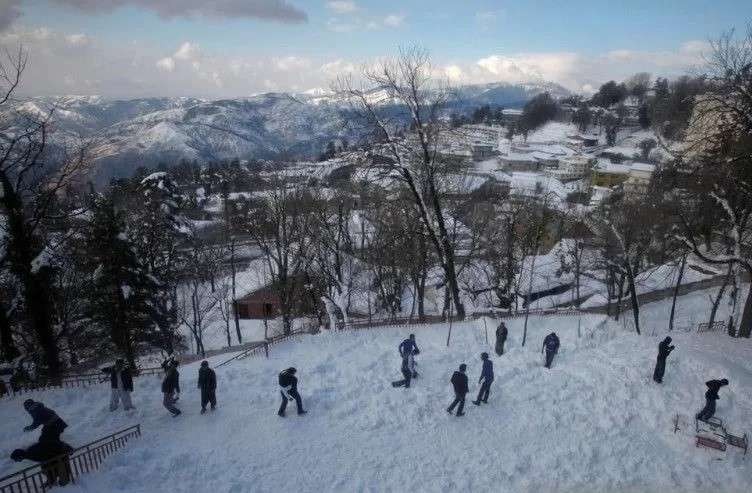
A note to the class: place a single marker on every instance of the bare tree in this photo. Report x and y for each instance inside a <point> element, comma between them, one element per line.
<point>415,161</point>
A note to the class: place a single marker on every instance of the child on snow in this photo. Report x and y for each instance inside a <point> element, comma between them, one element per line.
<point>459,383</point>
<point>171,388</point>
<point>207,383</point>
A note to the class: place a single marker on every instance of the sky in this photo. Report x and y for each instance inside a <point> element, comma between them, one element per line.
<point>235,48</point>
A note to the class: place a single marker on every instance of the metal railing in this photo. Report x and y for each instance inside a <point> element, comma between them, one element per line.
<point>68,467</point>
<point>263,346</point>
<point>70,381</point>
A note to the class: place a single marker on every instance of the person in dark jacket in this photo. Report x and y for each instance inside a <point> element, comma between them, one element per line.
<point>288,384</point>
<point>551,345</point>
<point>710,397</point>
<point>57,472</point>
<point>409,349</point>
<point>407,373</point>
<point>52,424</point>
<point>486,378</point>
<point>501,338</point>
<point>121,383</point>
<point>459,383</point>
<point>171,388</point>
<point>207,382</point>
<point>168,363</point>
<point>664,349</point>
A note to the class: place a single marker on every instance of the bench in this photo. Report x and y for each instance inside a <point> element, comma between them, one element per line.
<point>705,327</point>
<point>710,443</point>
<point>741,442</point>
<point>713,423</point>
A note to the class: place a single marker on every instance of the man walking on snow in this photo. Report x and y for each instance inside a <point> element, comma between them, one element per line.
<point>171,388</point>
<point>501,338</point>
<point>408,349</point>
<point>551,345</point>
<point>52,424</point>
<point>459,383</point>
<point>121,382</point>
<point>664,349</point>
<point>486,377</point>
<point>207,383</point>
<point>288,384</point>
<point>710,397</point>
<point>57,472</point>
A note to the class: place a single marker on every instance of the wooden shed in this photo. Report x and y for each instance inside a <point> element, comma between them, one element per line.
<point>258,305</point>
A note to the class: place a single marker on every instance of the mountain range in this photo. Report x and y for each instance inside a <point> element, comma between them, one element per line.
<point>125,134</point>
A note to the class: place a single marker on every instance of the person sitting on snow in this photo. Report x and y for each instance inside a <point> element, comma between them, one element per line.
<point>288,384</point>
<point>710,397</point>
<point>57,472</point>
<point>52,424</point>
<point>121,382</point>
<point>551,345</point>
<point>664,349</point>
<point>409,349</point>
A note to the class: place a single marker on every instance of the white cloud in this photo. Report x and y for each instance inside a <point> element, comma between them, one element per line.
<point>167,64</point>
<point>342,6</point>
<point>77,39</point>
<point>65,63</point>
<point>10,10</point>
<point>186,51</point>
<point>394,20</point>
<point>488,18</point>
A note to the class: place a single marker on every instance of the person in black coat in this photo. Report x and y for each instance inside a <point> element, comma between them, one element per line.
<point>57,472</point>
<point>207,383</point>
<point>459,383</point>
<point>407,373</point>
<point>487,378</point>
<point>710,397</point>
<point>52,424</point>
<point>551,345</point>
<point>288,384</point>
<point>664,349</point>
<point>121,383</point>
<point>171,388</point>
<point>501,338</point>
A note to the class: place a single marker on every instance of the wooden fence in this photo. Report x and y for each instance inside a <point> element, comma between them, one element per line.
<point>84,459</point>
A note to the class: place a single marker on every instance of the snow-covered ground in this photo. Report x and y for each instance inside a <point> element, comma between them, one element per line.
<point>595,422</point>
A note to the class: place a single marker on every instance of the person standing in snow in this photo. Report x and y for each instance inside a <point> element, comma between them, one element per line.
<point>58,472</point>
<point>288,384</point>
<point>486,378</point>
<point>551,345</point>
<point>52,424</point>
<point>664,349</point>
<point>171,388</point>
<point>710,397</point>
<point>501,338</point>
<point>409,349</point>
<point>168,363</point>
<point>459,383</point>
<point>121,382</point>
<point>406,373</point>
<point>207,383</point>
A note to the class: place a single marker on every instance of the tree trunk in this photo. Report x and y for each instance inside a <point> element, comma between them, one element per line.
<point>719,297</point>
<point>235,315</point>
<point>8,349</point>
<point>633,297</point>
<point>676,291</point>
<point>745,326</point>
<point>620,297</point>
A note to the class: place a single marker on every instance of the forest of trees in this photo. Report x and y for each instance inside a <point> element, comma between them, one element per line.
<point>88,273</point>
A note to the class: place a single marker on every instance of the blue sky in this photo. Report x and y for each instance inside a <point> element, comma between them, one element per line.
<point>239,47</point>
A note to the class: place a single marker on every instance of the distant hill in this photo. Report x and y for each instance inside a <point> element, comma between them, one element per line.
<point>126,134</point>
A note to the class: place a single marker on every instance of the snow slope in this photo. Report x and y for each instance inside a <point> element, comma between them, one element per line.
<point>595,422</point>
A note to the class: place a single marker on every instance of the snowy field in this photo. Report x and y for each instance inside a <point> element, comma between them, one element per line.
<point>594,422</point>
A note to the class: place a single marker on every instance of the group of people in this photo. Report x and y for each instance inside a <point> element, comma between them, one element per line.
<point>50,446</point>
<point>711,395</point>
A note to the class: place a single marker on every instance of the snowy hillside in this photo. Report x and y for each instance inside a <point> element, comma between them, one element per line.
<point>594,422</point>
<point>143,132</point>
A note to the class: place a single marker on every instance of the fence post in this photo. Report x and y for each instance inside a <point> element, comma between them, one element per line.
<point>266,349</point>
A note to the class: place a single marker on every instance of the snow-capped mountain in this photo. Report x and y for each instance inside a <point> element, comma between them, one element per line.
<point>126,134</point>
